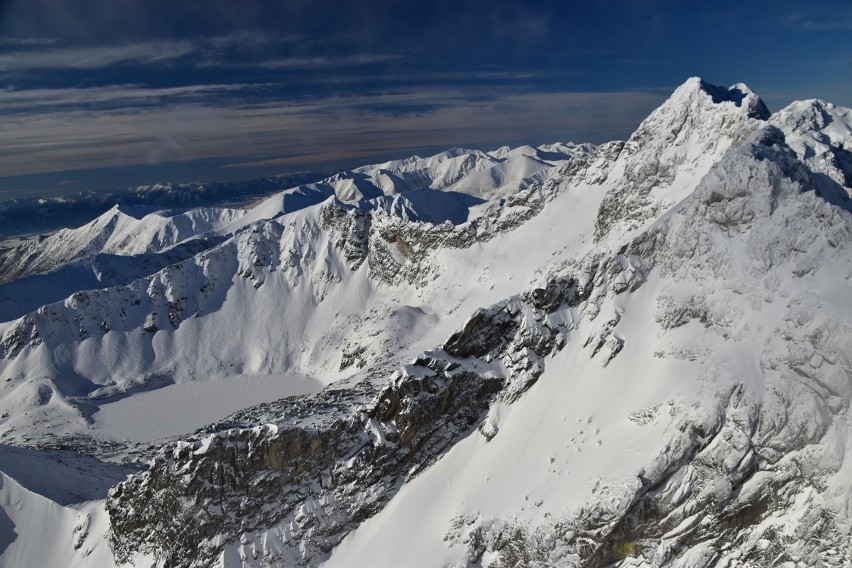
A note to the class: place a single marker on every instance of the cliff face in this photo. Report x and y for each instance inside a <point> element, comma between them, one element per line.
<point>316,481</point>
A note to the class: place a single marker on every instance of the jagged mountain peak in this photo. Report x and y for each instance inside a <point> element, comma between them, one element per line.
<point>418,162</point>
<point>114,232</point>
<point>740,95</point>
<point>815,117</point>
<point>698,105</point>
<point>673,148</point>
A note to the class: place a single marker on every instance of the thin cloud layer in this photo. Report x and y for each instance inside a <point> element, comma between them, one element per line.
<point>95,57</point>
<point>120,83</point>
<point>52,101</point>
<point>308,132</point>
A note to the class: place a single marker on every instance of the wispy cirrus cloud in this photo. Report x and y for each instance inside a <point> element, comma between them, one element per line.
<point>282,134</point>
<point>207,53</point>
<point>327,62</point>
<point>95,57</point>
<point>111,96</point>
<point>7,40</point>
<point>38,54</point>
<point>817,18</point>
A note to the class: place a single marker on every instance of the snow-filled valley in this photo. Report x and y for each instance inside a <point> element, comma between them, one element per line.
<point>630,354</point>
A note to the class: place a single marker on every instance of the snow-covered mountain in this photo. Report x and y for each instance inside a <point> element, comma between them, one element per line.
<point>32,215</point>
<point>572,355</point>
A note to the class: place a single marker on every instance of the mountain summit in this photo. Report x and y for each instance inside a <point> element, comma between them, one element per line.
<point>631,354</point>
<point>672,148</point>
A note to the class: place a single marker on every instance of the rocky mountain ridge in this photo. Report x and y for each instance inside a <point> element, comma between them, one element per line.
<point>304,255</point>
<point>664,383</point>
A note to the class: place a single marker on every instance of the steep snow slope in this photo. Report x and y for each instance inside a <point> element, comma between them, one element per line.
<point>713,422</point>
<point>664,384</point>
<point>675,399</point>
<point>37,532</point>
<point>61,475</point>
<point>720,434</point>
<point>100,270</point>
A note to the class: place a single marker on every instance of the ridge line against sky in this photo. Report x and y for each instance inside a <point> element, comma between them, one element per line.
<point>105,93</point>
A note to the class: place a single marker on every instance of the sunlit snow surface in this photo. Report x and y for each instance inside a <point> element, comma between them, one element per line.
<point>740,327</point>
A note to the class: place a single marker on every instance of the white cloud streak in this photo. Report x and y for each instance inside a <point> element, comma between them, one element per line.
<point>18,41</point>
<point>38,54</point>
<point>95,57</point>
<point>817,18</point>
<point>35,100</point>
<point>326,62</point>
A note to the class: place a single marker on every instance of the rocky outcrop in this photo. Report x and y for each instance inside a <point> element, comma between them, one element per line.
<point>399,250</point>
<point>317,477</point>
<point>351,228</point>
<point>319,466</point>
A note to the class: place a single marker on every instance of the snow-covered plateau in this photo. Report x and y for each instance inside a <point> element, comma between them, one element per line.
<point>635,354</point>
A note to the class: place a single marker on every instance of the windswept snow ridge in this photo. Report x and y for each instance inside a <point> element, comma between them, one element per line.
<point>634,354</point>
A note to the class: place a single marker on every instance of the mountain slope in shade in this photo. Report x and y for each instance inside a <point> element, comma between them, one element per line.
<point>633,354</point>
<point>35,531</point>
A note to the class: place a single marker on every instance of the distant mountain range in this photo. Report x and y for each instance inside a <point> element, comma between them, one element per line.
<point>32,215</point>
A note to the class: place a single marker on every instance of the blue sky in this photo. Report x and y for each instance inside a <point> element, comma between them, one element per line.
<point>105,93</point>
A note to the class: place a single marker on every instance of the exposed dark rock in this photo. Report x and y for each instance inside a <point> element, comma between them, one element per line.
<point>198,495</point>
